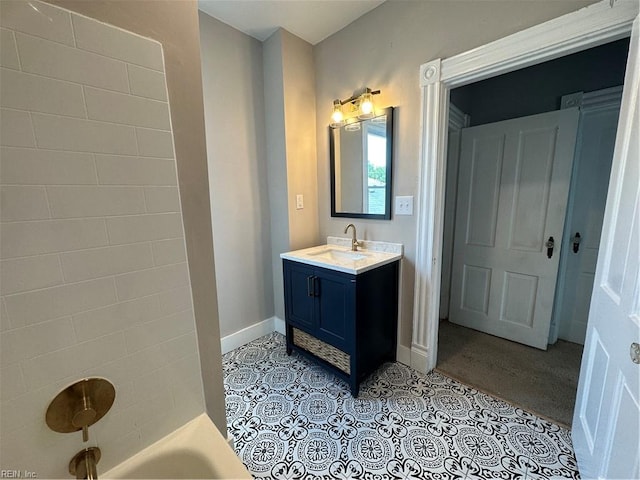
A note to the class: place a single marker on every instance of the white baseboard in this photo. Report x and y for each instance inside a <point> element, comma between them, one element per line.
<point>419,359</point>
<point>403,355</point>
<point>248,334</point>
<point>279,326</point>
<point>413,357</point>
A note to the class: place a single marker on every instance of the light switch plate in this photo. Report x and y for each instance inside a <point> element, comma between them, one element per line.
<point>299,202</point>
<point>404,205</point>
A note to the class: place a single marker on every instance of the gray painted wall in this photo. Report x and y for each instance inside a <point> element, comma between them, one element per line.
<point>538,89</point>
<point>276,161</point>
<point>291,157</point>
<point>300,134</point>
<point>384,49</point>
<point>235,131</point>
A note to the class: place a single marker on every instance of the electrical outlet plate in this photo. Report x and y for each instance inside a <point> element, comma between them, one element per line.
<point>404,205</point>
<point>299,202</point>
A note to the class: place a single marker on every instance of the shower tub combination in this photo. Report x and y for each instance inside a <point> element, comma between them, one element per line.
<point>195,450</point>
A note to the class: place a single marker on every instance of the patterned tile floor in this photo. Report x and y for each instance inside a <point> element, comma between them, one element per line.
<point>292,420</point>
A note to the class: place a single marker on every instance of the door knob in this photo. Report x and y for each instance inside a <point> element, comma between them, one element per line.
<point>576,242</point>
<point>635,352</point>
<point>550,244</point>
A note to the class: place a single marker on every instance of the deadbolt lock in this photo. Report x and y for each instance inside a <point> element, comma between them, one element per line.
<point>576,242</point>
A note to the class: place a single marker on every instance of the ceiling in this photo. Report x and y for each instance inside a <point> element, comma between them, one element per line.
<point>311,20</point>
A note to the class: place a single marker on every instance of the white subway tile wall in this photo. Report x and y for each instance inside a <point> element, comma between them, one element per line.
<point>116,43</point>
<point>8,53</point>
<point>119,170</point>
<point>93,272</point>
<point>40,94</point>
<point>4,323</point>
<point>40,20</point>
<point>162,199</point>
<point>147,83</point>
<point>169,251</point>
<point>30,166</point>
<point>54,60</point>
<point>55,132</point>
<point>16,129</point>
<point>154,143</point>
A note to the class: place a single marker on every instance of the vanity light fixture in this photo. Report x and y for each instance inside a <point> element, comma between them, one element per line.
<point>337,117</point>
<point>360,104</point>
<point>366,106</point>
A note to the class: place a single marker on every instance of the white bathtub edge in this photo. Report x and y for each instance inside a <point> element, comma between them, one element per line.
<point>199,436</point>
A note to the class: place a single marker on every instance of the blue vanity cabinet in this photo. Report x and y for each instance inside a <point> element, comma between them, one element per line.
<point>300,302</point>
<point>346,323</point>
<point>320,301</point>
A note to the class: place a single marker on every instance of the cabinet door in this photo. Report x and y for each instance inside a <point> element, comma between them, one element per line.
<point>335,294</point>
<point>299,299</point>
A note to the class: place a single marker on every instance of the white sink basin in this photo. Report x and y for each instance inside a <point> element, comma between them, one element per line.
<point>333,253</point>
<point>342,259</point>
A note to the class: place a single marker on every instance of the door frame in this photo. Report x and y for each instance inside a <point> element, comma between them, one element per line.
<point>602,22</point>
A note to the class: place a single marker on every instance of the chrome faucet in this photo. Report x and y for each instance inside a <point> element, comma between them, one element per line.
<point>354,242</point>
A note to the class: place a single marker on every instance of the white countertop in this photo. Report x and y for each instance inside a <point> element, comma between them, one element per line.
<point>337,255</point>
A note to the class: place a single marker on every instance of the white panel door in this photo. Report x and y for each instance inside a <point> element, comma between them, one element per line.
<point>592,168</point>
<point>606,421</point>
<point>513,185</point>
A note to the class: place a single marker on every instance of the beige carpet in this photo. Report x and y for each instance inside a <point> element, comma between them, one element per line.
<point>543,382</point>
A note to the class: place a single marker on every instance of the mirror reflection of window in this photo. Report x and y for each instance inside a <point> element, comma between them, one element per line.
<point>376,171</point>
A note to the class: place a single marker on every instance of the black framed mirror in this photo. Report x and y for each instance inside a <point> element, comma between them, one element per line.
<point>361,166</point>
